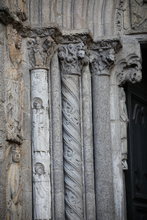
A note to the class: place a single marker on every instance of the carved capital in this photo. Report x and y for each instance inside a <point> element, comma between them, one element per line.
<point>129,69</point>
<point>40,51</point>
<point>102,56</point>
<point>72,58</point>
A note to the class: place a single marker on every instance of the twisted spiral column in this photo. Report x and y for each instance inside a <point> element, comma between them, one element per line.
<point>71,58</point>
<point>72,147</point>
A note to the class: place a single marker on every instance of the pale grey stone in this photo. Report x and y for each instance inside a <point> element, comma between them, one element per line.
<point>40,144</point>
<point>57,140</point>
<point>88,156</point>
<point>27,40</point>
<point>102,148</point>
<point>72,58</point>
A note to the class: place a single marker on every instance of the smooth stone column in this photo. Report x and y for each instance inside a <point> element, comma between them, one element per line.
<point>102,148</point>
<point>102,59</point>
<point>88,156</point>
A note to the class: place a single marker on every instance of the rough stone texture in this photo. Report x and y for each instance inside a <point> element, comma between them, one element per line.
<point>138,14</point>
<point>3,128</point>
<point>102,150</point>
<point>26,145</point>
<point>31,32</point>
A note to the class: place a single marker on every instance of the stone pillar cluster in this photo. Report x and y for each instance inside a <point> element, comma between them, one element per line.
<point>70,94</point>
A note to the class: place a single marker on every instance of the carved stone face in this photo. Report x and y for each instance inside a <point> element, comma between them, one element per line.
<point>81,54</point>
<point>16,155</point>
<point>37,103</point>
<point>39,169</point>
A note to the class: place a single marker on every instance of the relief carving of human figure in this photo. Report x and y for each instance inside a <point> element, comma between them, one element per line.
<point>123,123</point>
<point>41,190</point>
<point>14,187</point>
<point>38,124</point>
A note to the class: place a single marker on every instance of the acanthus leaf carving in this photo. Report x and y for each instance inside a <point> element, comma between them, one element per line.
<point>129,69</point>
<point>40,51</point>
<point>72,58</point>
<point>102,56</point>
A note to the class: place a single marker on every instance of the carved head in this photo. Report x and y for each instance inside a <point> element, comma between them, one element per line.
<point>16,154</point>
<point>39,169</point>
<point>37,103</point>
<point>129,70</point>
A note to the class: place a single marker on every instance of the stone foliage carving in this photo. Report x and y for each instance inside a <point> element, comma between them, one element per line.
<point>129,69</point>
<point>102,61</point>
<point>40,51</point>
<point>40,145</point>
<point>123,127</point>
<point>14,186</point>
<point>71,58</point>
<point>138,14</point>
<point>102,57</point>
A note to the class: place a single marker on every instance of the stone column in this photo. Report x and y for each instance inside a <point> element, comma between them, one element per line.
<point>71,58</point>
<point>40,51</point>
<point>57,150</point>
<point>102,59</point>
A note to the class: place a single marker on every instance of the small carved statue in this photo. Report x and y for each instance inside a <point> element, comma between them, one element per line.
<point>123,123</point>
<point>14,187</point>
<point>41,191</point>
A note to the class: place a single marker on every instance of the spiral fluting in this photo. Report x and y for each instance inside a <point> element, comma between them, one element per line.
<point>72,147</point>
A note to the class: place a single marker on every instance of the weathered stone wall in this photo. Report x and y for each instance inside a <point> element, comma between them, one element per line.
<point>101,17</point>
<point>63,113</point>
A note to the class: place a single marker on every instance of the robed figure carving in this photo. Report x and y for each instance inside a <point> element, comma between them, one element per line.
<point>14,187</point>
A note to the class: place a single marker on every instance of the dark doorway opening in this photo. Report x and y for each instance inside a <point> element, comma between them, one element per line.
<point>136,176</point>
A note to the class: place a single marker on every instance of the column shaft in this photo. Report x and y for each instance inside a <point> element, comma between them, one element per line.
<point>102,148</point>
<point>72,147</point>
<point>40,145</point>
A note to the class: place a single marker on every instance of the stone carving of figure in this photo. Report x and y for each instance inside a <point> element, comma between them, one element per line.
<point>38,124</point>
<point>14,187</point>
<point>123,123</point>
<point>41,190</point>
